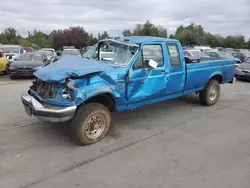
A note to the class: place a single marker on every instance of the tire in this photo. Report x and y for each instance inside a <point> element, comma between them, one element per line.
<point>13,77</point>
<point>211,93</point>
<point>85,123</point>
<point>5,72</point>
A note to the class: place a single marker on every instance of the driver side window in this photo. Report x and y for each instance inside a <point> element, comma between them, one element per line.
<point>148,52</point>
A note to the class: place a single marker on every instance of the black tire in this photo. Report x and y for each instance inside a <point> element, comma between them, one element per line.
<point>5,72</point>
<point>205,95</point>
<point>81,124</point>
<point>13,77</point>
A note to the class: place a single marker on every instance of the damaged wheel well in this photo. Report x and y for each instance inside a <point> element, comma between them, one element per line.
<point>105,99</point>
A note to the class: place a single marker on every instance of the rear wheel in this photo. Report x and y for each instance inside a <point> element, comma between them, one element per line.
<point>211,93</point>
<point>90,124</point>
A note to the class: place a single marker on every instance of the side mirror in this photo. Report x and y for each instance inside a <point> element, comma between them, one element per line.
<point>153,64</point>
<point>58,53</point>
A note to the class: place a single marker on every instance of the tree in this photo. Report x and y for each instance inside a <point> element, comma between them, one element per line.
<point>146,29</point>
<point>103,35</point>
<point>126,32</point>
<point>248,44</point>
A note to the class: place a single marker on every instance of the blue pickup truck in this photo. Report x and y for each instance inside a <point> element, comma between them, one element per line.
<point>142,70</point>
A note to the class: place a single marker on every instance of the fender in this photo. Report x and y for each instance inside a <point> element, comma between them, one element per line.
<point>217,73</point>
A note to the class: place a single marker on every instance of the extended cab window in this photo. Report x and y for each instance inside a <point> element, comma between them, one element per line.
<point>148,52</point>
<point>174,55</point>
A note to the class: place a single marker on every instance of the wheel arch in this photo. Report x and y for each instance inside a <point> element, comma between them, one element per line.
<point>217,77</point>
<point>107,99</point>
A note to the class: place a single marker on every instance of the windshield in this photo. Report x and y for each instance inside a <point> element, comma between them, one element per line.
<point>111,52</point>
<point>225,55</point>
<point>10,50</point>
<point>31,57</point>
<point>199,53</point>
<point>71,52</point>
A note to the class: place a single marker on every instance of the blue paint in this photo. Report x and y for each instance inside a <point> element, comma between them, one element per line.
<point>70,66</point>
<point>125,84</point>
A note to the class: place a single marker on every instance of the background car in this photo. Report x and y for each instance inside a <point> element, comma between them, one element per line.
<point>243,70</point>
<point>223,55</point>
<point>240,56</point>
<point>29,49</point>
<point>27,65</point>
<point>48,54</point>
<point>73,52</point>
<point>195,53</point>
<point>11,51</point>
<point>3,63</point>
<point>49,50</point>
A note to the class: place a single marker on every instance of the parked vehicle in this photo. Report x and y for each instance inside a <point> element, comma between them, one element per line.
<point>48,54</point>
<point>241,56</point>
<point>144,70</point>
<point>202,48</point>
<point>72,52</point>
<point>27,65</point>
<point>223,55</point>
<point>68,47</point>
<point>49,50</point>
<point>243,70</point>
<point>11,51</point>
<point>29,50</point>
<point>195,53</point>
<point>3,63</point>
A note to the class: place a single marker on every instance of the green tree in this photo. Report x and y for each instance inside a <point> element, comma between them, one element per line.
<point>146,29</point>
<point>103,35</point>
<point>126,32</point>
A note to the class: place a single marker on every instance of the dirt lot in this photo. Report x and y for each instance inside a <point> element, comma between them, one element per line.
<point>172,144</point>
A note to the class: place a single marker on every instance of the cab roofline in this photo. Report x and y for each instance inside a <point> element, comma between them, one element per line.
<point>136,40</point>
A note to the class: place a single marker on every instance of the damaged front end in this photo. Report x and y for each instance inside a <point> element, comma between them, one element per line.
<point>58,101</point>
<point>52,102</point>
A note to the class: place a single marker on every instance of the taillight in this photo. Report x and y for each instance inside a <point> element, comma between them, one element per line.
<point>235,69</point>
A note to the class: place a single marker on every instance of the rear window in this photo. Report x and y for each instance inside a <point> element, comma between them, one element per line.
<point>174,55</point>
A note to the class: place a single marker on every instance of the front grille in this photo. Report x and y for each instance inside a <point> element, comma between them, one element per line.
<point>45,90</point>
<point>25,69</point>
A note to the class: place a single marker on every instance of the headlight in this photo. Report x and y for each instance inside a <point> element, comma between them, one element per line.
<point>238,69</point>
<point>12,67</point>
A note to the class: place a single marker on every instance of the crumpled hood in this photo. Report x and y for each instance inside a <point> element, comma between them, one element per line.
<point>70,66</point>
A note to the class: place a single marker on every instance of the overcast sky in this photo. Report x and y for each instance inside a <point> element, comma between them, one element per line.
<point>216,16</point>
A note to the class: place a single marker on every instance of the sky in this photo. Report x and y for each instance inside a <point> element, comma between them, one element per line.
<point>225,17</point>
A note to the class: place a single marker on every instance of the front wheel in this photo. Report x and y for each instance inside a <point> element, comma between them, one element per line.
<point>90,124</point>
<point>211,93</point>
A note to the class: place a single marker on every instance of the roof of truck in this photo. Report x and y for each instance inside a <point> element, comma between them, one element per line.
<point>143,39</point>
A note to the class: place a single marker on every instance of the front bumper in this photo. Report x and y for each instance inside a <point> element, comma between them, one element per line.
<point>44,112</point>
<point>15,72</point>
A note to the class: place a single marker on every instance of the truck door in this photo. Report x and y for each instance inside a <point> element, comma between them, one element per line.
<point>177,70</point>
<point>146,83</point>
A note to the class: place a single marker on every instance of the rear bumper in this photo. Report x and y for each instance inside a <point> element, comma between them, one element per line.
<point>47,113</point>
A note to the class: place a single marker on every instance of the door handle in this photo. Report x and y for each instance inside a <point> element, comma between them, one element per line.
<point>164,72</point>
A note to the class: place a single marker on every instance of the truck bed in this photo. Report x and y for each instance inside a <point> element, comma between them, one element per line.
<point>198,74</point>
